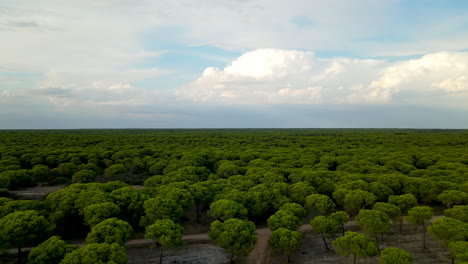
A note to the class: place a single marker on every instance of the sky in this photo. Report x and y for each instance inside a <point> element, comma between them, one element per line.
<point>233,64</point>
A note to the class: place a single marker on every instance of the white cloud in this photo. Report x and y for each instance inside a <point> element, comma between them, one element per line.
<point>295,77</point>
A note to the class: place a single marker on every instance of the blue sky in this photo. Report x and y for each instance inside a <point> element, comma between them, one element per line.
<point>233,63</point>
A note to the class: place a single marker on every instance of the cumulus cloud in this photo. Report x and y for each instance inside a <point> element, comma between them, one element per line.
<point>273,76</point>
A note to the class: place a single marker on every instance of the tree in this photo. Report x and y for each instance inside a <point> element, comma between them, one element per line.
<point>325,226</point>
<point>341,218</point>
<point>130,202</point>
<point>459,212</point>
<point>97,253</point>
<point>284,218</point>
<point>285,241</point>
<point>23,227</point>
<point>420,215</point>
<point>165,233</point>
<point>320,203</point>
<point>96,213</point>
<point>459,250</point>
<point>116,171</point>
<point>448,230</point>
<point>201,196</point>
<point>404,202</point>
<point>373,223</point>
<point>295,208</point>
<point>89,197</point>
<point>381,191</point>
<point>52,251</point>
<point>393,255</point>
<point>225,209</point>
<point>354,243</point>
<point>300,190</point>
<point>160,208</point>
<point>356,200</point>
<point>237,236</point>
<point>84,176</point>
<point>453,197</point>
<point>391,210</point>
<point>110,231</point>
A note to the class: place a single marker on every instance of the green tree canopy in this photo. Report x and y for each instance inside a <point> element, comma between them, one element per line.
<point>285,219</point>
<point>160,208</point>
<point>326,226</point>
<point>110,231</point>
<point>373,222</point>
<point>225,209</point>
<point>295,208</point>
<point>393,255</point>
<point>96,213</point>
<point>237,236</point>
<point>459,250</point>
<point>285,241</point>
<point>52,251</point>
<point>391,210</point>
<point>359,245</point>
<point>23,227</point>
<point>459,212</point>
<point>341,218</point>
<point>319,203</point>
<point>453,197</point>
<point>165,233</point>
<point>300,190</point>
<point>97,254</point>
<point>84,176</point>
<point>356,200</point>
<point>448,230</point>
<point>130,202</point>
<point>420,215</point>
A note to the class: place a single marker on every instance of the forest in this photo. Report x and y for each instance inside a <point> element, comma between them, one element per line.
<point>124,184</point>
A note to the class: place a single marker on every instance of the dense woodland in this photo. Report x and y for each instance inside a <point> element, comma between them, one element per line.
<point>123,182</point>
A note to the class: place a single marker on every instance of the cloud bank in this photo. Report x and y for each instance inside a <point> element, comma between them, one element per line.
<point>273,76</point>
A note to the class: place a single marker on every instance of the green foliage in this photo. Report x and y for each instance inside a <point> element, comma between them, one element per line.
<point>23,227</point>
<point>165,233</point>
<point>116,171</point>
<point>225,209</point>
<point>356,200</point>
<point>356,244</point>
<point>89,197</point>
<point>160,208</point>
<point>236,236</point>
<point>110,231</point>
<point>130,202</point>
<point>340,217</point>
<point>404,202</point>
<point>300,190</point>
<point>84,176</point>
<point>295,208</point>
<point>459,250</point>
<point>285,241</point>
<point>381,191</point>
<point>393,255</point>
<point>324,225</point>
<point>391,210</point>
<point>96,213</point>
<point>420,215</point>
<point>448,230</point>
<point>285,219</point>
<point>97,254</point>
<point>459,212</point>
<point>373,222</point>
<point>320,203</point>
<point>453,197</point>
<point>51,251</point>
